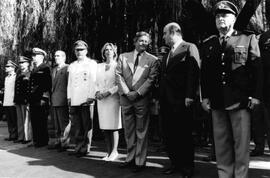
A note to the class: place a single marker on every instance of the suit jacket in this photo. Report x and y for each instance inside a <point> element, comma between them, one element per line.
<point>180,77</point>
<point>59,86</point>
<point>142,80</point>
<point>40,84</point>
<point>21,95</point>
<point>231,74</point>
<point>264,43</point>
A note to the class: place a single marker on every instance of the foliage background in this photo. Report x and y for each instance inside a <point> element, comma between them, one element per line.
<point>57,24</point>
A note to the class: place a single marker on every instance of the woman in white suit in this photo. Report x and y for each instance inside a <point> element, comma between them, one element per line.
<point>108,100</point>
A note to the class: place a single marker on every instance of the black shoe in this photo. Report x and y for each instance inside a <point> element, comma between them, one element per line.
<point>169,170</point>
<point>127,164</point>
<point>187,172</point>
<point>39,145</point>
<point>26,141</point>
<point>7,139</point>
<point>256,153</point>
<point>137,169</point>
<point>81,154</point>
<point>61,149</point>
<point>17,141</point>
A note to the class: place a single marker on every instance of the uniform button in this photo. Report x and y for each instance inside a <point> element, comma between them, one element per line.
<point>223,73</point>
<point>222,54</point>
<point>223,63</point>
<point>223,82</point>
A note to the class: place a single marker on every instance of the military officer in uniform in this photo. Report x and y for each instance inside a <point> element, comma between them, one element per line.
<point>40,87</point>
<point>21,100</point>
<point>81,94</point>
<point>231,85</point>
<point>8,102</point>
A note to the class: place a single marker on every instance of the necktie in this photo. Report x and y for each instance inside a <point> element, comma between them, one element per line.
<point>136,62</point>
<point>169,56</point>
<point>223,41</point>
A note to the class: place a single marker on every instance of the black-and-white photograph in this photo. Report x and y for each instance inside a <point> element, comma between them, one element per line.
<point>135,88</point>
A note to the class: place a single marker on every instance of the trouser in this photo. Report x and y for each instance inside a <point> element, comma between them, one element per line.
<point>23,122</point>
<point>80,125</point>
<point>10,112</point>
<point>232,138</point>
<point>136,121</point>
<point>60,118</point>
<point>39,116</point>
<point>261,126</point>
<point>177,131</point>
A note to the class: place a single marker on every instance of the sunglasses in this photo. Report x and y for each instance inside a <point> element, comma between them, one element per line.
<point>80,49</point>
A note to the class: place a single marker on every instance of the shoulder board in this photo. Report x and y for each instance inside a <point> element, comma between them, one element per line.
<point>209,38</point>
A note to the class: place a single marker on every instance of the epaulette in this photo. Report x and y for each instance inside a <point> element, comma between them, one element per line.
<point>212,36</point>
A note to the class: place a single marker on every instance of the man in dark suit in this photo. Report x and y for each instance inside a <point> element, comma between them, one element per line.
<point>231,85</point>
<point>59,97</point>
<point>136,73</point>
<point>178,85</point>
<point>40,88</point>
<point>261,119</point>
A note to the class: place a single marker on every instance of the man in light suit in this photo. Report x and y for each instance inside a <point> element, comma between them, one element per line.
<point>81,94</point>
<point>59,97</point>
<point>136,73</point>
<point>178,85</point>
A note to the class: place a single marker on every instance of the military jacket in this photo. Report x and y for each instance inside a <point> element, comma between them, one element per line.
<point>21,95</point>
<point>233,73</point>
<point>40,84</point>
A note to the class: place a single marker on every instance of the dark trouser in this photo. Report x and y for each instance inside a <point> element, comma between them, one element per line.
<point>23,122</point>
<point>39,116</point>
<point>61,119</point>
<point>261,126</point>
<point>10,112</point>
<point>80,125</point>
<point>232,137</point>
<point>177,132</point>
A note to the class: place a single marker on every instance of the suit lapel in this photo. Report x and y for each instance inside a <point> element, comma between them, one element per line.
<point>130,61</point>
<point>54,78</point>
<point>140,69</point>
<point>178,54</point>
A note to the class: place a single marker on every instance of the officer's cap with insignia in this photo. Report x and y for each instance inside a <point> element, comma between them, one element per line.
<point>10,63</point>
<point>80,44</point>
<point>38,51</point>
<point>23,59</point>
<point>225,7</point>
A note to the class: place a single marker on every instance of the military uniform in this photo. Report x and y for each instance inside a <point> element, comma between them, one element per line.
<point>80,90</point>
<point>21,100</point>
<point>8,104</point>
<point>40,87</point>
<point>231,74</point>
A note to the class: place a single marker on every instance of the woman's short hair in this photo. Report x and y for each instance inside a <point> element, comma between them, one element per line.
<point>114,48</point>
<point>141,33</point>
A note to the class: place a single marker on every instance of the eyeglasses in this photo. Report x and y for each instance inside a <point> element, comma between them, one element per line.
<point>80,49</point>
<point>8,66</point>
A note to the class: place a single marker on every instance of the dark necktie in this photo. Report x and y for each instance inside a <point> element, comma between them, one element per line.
<point>224,41</point>
<point>136,62</point>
